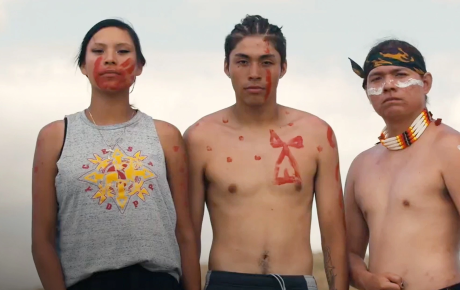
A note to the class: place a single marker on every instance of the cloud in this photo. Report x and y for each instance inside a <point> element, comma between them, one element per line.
<point>179,87</point>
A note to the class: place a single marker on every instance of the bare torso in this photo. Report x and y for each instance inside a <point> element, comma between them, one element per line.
<point>260,226</point>
<point>413,223</point>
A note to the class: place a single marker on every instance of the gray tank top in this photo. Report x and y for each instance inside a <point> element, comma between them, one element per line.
<point>115,208</point>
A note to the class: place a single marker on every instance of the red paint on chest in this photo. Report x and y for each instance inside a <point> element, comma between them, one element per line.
<point>330,137</point>
<point>229,159</point>
<point>120,78</point>
<point>268,80</point>
<point>319,148</point>
<point>276,142</point>
<point>225,120</point>
<point>176,148</point>
<point>291,124</point>
<point>208,148</point>
<point>241,138</point>
<point>257,157</point>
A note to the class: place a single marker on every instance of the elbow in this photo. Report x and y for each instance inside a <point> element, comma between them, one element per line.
<point>39,244</point>
<point>185,236</point>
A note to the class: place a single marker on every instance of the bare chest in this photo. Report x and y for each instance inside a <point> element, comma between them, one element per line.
<point>247,164</point>
<point>400,183</point>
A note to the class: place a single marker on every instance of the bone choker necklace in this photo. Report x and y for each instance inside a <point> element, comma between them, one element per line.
<point>411,135</point>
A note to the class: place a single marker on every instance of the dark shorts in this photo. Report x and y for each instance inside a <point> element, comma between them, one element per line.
<point>453,287</point>
<point>218,280</point>
<point>133,277</point>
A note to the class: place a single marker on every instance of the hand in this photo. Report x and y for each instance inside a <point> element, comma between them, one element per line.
<point>384,281</point>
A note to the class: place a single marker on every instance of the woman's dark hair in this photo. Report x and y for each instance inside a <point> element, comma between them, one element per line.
<point>81,58</point>
<point>256,25</point>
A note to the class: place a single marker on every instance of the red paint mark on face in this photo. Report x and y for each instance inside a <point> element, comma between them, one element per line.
<point>241,138</point>
<point>229,159</point>
<point>86,166</point>
<point>109,206</point>
<point>176,148</point>
<point>276,142</point>
<point>114,78</point>
<point>267,47</point>
<point>208,148</point>
<point>130,149</point>
<point>319,148</point>
<point>88,189</point>
<point>337,172</point>
<point>291,124</point>
<point>330,137</point>
<point>225,120</point>
<point>197,124</point>
<point>257,157</point>
<point>268,80</point>
<point>136,203</point>
<point>150,163</point>
<point>35,169</point>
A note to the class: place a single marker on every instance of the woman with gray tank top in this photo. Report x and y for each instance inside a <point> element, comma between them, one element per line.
<point>109,184</point>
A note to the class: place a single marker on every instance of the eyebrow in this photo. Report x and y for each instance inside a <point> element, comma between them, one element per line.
<point>264,56</point>
<point>118,44</point>
<point>380,73</point>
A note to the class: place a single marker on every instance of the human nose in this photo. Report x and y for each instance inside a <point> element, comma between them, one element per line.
<point>110,57</point>
<point>254,72</point>
<point>389,83</point>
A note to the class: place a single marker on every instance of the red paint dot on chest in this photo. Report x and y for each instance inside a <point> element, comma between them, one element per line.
<point>291,124</point>
<point>208,148</point>
<point>229,159</point>
<point>257,157</point>
<point>225,120</point>
<point>241,138</point>
<point>176,148</point>
<point>319,148</point>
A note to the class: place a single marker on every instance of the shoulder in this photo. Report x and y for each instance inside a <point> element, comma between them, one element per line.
<point>205,127</point>
<point>447,142</point>
<point>52,131</point>
<point>167,131</point>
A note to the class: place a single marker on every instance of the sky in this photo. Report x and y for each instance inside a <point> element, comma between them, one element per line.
<point>183,42</point>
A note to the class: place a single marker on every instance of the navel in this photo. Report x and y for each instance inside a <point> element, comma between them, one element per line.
<point>406,203</point>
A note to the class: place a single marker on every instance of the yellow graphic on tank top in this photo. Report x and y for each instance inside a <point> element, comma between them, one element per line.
<point>119,177</point>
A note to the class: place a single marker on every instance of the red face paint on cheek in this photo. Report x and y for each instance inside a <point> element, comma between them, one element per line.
<point>268,80</point>
<point>114,78</point>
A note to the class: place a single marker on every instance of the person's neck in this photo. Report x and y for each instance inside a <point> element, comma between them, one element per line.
<point>256,115</point>
<point>398,125</point>
<point>109,109</point>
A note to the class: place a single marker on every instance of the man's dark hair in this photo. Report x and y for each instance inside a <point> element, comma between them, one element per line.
<point>81,58</point>
<point>396,43</point>
<point>256,25</point>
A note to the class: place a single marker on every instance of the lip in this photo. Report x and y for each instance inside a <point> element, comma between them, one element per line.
<point>392,99</point>
<point>254,89</point>
<point>109,73</point>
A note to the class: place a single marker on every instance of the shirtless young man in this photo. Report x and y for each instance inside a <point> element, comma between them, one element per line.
<point>256,165</point>
<point>403,197</point>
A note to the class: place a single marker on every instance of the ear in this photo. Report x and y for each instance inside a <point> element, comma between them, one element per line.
<point>226,68</point>
<point>427,82</point>
<point>283,69</point>
<point>83,70</point>
<point>139,70</point>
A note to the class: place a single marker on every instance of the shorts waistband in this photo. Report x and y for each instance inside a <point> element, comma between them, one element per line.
<point>261,280</point>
